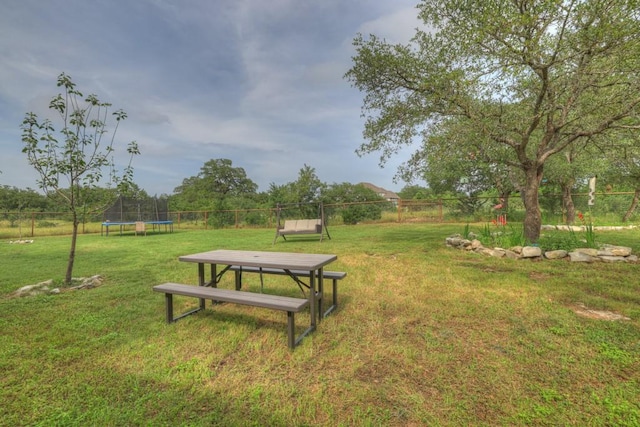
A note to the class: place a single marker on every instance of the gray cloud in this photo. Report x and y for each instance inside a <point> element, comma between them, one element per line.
<point>260,83</point>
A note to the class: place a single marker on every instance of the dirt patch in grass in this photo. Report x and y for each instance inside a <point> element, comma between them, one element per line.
<point>536,275</point>
<point>582,310</point>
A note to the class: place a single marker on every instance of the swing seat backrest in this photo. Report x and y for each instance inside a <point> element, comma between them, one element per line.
<point>302,226</point>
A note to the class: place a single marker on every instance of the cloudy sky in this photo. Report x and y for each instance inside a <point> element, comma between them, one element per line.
<point>259,82</point>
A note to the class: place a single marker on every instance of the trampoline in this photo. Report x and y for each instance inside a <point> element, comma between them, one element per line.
<point>126,212</point>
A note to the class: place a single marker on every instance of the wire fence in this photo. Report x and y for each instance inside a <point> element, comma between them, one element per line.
<point>609,209</point>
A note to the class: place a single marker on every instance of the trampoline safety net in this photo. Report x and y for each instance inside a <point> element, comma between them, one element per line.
<point>129,210</point>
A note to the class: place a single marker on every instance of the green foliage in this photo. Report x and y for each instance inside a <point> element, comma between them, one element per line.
<point>466,232</point>
<point>500,234</point>
<point>501,89</point>
<point>469,204</point>
<point>589,232</point>
<point>355,203</point>
<point>353,214</point>
<point>415,192</point>
<point>218,185</point>
<point>570,239</point>
<point>13,199</point>
<point>304,194</point>
<point>559,240</point>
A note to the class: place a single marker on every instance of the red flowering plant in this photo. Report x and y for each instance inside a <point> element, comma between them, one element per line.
<point>500,235</point>
<point>589,233</point>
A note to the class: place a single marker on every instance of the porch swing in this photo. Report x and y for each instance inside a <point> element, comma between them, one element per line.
<point>300,226</point>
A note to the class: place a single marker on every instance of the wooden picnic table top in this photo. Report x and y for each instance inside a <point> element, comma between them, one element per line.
<point>282,260</point>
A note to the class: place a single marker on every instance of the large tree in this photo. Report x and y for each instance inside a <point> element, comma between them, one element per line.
<point>217,183</point>
<point>534,76</point>
<point>78,157</point>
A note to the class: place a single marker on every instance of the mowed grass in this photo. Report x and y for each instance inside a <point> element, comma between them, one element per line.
<point>424,335</point>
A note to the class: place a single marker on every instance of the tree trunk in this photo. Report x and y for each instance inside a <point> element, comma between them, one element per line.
<point>567,202</point>
<point>532,216</point>
<point>632,208</point>
<point>72,251</point>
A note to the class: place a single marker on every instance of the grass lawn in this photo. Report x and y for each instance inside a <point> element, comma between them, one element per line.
<point>424,335</point>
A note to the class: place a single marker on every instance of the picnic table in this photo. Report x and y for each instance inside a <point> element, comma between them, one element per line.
<point>286,261</point>
<point>298,266</point>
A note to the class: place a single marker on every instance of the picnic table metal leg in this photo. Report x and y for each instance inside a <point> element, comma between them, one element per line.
<point>201,282</point>
<point>320,293</point>
<point>168,297</point>
<point>169,303</point>
<point>201,274</point>
<point>313,307</point>
<point>238,277</point>
<point>335,294</point>
<point>214,275</point>
<point>291,329</point>
<point>334,300</point>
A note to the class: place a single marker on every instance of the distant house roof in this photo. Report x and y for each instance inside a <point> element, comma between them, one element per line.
<point>386,194</point>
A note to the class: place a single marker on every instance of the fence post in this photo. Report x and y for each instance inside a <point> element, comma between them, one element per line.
<point>399,210</point>
<point>33,224</point>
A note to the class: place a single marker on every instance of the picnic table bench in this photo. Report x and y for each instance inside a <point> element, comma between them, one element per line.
<point>274,302</point>
<point>295,274</point>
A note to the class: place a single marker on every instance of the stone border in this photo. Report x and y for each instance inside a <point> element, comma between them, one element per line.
<point>606,253</point>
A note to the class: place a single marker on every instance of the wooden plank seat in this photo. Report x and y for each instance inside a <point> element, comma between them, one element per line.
<point>273,302</point>
<point>334,276</point>
<point>301,226</point>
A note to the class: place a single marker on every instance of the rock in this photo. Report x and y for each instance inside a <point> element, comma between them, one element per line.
<point>604,252</point>
<point>484,251</point>
<point>587,251</point>
<point>32,290</point>
<point>580,257</point>
<point>87,282</point>
<point>497,253</point>
<point>607,258</point>
<point>558,254</point>
<point>617,250</point>
<point>454,241</point>
<point>511,254</point>
<point>531,252</point>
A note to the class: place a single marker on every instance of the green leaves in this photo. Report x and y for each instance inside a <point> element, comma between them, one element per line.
<point>532,77</point>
